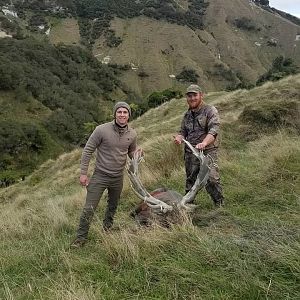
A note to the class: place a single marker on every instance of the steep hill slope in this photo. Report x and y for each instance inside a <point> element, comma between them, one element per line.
<point>238,42</point>
<point>224,42</point>
<point>248,250</point>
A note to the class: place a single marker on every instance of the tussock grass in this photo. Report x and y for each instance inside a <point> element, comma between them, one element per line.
<point>247,250</point>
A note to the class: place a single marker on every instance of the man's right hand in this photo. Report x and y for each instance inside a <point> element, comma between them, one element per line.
<point>178,139</point>
<point>84,180</point>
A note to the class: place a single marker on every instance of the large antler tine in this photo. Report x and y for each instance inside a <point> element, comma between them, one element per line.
<point>157,204</point>
<point>202,177</point>
<point>134,162</point>
<point>189,207</point>
<point>196,152</point>
<point>138,188</point>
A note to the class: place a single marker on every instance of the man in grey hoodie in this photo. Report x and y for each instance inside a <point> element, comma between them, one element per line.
<point>112,141</point>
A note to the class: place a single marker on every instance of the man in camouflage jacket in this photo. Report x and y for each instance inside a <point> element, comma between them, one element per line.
<point>200,126</point>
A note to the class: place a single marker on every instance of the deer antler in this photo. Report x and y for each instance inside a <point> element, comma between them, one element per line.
<point>201,179</point>
<point>138,188</point>
<point>154,203</point>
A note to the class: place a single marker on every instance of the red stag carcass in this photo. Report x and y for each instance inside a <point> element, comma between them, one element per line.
<point>162,204</point>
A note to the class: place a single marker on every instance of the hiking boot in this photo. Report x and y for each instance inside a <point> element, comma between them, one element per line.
<point>107,226</point>
<point>78,243</point>
<point>219,203</point>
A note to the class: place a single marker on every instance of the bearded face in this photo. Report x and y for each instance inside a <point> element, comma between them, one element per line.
<point>194,100</point>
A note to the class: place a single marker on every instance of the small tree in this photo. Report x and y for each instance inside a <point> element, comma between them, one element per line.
<point>188,75</point>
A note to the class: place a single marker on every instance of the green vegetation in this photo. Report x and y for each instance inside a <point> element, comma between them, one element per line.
<point>23,147</point>
<point>223,72</point>
<point>95,15</point>
<point>36,21</point>
<point>262,2</point>
<point>155,99</point>
<point>111,39</point>
<point>158,98</point>
<point>281,68</point>
<point>167,10</point>
<point>242,84</point>
<point>10,27</point>
<point>102,12</point>
<point>247,250</point>
<point>66,80</point>
<point>277,114</point>
<point>246,24</point>
<point>188,75</point>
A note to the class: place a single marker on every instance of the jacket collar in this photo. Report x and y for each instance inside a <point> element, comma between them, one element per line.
<point>119,129</point>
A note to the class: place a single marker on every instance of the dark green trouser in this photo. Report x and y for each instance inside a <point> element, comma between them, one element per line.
<point>98,184</point>
<point>213,186</point>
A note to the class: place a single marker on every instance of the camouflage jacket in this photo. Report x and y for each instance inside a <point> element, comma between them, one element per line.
<point>197,124</point>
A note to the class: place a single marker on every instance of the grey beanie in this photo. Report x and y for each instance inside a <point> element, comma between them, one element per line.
<point>121,104</point>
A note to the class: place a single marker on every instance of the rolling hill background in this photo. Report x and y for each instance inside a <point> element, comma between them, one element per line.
<point>223,42</point>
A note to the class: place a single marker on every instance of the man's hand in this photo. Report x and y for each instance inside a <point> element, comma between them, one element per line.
<point>178,139</point>
<point>201,146</point>
<point>209,139</point>
<point>139,151</point>
<point>84,180</point>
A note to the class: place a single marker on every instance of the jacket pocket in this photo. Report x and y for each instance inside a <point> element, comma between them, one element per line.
<point>202,120</point>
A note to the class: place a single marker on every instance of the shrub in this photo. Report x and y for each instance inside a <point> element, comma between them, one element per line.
<point>111,39</point>
<point>21,146</point>
<point>188,75</point>
<point>245,23</point>
<point>226,73</point>
<point>7,25</point>
<point>143,74</point>
<point>281,67</point>
<point>158,98</point>
<point>64,126</point>
<point>19,137</point>
<point>262,2</point>
<point>62,78</point>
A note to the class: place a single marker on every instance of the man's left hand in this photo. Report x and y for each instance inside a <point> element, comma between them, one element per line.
<point>138,152</point>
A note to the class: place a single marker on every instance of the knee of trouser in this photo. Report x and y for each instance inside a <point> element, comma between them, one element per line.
<point>214,177</point>
<point>87,211</point>
<point>113,202</point>
<point>212,186</point>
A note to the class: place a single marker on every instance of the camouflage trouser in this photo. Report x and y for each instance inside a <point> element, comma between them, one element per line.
<point>98,184</point>
<point>213,186</point>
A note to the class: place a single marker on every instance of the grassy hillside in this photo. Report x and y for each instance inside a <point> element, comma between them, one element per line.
<point>222,54</point>
<point>65,31</point>
<point>49,96</point>
<point>247,250</point>
<point>24,140</point>
<point>226,43</point>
